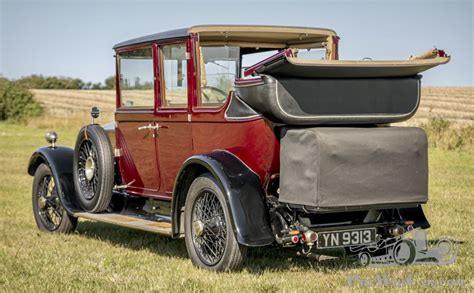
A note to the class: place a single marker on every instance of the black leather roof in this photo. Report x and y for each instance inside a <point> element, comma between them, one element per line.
<point>177,33</point>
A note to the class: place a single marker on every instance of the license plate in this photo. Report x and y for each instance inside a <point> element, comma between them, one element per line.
<point>346,238</point>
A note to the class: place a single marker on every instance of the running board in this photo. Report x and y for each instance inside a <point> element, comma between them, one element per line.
<point>163,228</point>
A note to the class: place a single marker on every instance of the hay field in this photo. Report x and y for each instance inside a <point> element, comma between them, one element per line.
<point>451,103</point>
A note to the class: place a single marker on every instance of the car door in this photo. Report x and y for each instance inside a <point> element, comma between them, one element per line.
<point>174,137</point>
<point>136,127</point>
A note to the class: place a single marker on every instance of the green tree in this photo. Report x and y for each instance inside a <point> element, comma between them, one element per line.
<point>51,82</point>
<point>110,82</point>
<point>16,102</point>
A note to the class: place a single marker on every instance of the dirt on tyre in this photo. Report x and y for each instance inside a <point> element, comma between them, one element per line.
<point>49,214</point>
<point>209,234</point>
<point>93,168</point>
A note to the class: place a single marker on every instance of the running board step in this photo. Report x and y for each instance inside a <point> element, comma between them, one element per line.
<point>163,228</point>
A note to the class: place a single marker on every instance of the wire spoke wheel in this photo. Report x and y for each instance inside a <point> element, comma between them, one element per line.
<point>87,169</point>
<point>209,228</point>
<point>49,208</point>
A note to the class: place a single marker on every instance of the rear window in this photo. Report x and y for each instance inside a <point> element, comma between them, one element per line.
<point>137,78</point>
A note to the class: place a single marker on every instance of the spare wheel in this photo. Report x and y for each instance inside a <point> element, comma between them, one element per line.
<point>93,168</point>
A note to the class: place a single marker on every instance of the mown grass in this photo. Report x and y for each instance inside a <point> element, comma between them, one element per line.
<point>108,258</point>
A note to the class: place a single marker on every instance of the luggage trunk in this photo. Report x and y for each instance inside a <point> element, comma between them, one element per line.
<point>340,168</point>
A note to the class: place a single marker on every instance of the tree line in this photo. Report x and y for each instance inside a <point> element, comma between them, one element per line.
<point>16,102</point>
<point>53,82</point>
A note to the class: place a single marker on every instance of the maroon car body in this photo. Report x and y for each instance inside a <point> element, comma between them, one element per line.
<point>194,134</point>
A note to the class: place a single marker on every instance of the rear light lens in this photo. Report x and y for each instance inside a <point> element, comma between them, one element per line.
<point>295,239</point>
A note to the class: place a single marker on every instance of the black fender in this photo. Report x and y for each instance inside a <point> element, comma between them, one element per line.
<point>415,214</point>
<point>60,161</point>
<point>242,189</point>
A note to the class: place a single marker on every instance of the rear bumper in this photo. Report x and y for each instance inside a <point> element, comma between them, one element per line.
<point>407,218</point>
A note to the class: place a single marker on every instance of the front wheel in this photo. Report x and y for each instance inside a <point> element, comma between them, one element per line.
<point>209,234</point>
<point>49,214</point>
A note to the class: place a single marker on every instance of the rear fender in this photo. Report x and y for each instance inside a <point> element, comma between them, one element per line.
<point>242,190</point>
<point>60,161</point>
<point>416,215</point>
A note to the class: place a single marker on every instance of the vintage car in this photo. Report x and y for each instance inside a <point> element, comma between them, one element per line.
<point>236,136</point>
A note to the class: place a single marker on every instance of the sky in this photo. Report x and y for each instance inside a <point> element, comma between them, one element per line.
<point>75,38</point>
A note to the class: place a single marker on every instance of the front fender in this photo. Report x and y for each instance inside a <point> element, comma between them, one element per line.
<point>243,193</point>
<point>60,161</point>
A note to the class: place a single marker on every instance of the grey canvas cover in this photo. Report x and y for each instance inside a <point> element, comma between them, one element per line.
<point>353,168</point>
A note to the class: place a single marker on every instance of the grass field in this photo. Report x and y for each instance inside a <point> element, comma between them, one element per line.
<point>104,257</point>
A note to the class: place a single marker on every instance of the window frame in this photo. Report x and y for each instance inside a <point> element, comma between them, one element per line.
<point>196,108</point>
<point>142,109</point>
<point>209,108</point>
<point>161,80</point>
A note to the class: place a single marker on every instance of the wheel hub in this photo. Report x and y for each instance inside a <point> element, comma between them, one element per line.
<point>198,228</point>
<point>90,168</point>
<point>42,202</point>
<point>209,232</point>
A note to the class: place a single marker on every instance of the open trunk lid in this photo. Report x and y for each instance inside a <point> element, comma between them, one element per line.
<point>285,64</point>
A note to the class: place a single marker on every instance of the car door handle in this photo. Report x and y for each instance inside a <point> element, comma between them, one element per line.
<point>151,127</point>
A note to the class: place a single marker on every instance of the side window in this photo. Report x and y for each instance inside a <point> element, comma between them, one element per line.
<point>136,78</point>
<point>219,69</point>
<point>174,94</point>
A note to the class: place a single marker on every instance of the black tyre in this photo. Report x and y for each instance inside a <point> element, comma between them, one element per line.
<point>209,234</point>
<point>93,168</point>
<point>49,214</point>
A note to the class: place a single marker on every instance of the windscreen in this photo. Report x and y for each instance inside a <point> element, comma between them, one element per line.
<point>219,69</point>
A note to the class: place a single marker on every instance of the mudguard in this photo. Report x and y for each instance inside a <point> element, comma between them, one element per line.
<point>416,215</point>
<point>60,160</point>
<point>243,192</point>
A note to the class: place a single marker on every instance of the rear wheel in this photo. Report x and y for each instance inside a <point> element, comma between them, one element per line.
<point>49,214</point>
<point>93,168</point>
<point>209,234</point>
